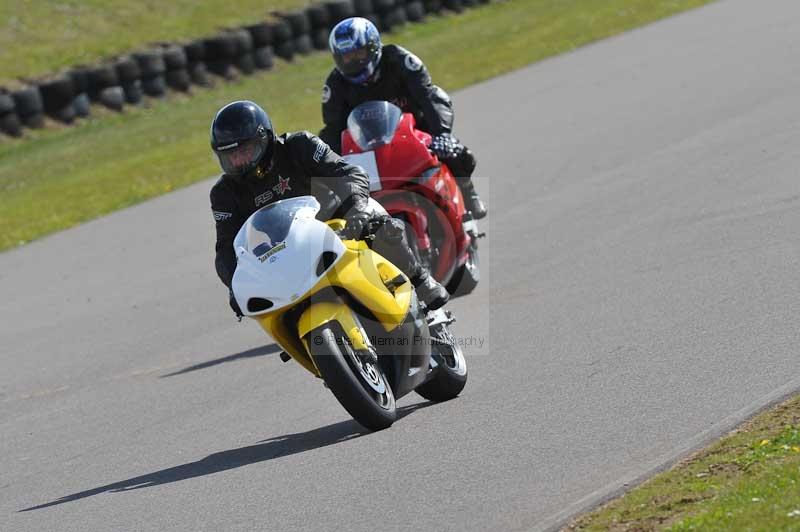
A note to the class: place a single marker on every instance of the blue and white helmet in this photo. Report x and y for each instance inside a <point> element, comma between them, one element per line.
<point>356,47</point>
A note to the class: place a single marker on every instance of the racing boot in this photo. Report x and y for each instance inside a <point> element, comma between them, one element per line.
<point>463,164</point>
<point>472,202</point>
<point>432,294</point>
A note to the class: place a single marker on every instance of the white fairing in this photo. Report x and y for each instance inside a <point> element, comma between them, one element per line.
<point>278,249</point>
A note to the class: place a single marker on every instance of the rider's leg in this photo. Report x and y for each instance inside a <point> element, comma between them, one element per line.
<point>462,165</point>
<point>392,242</point>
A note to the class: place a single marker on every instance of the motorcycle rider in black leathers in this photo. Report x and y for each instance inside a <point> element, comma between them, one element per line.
<point>368,70</point>
<point>261,168</point>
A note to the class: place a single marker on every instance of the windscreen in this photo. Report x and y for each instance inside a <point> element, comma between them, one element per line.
<point>373,124</point>
<point>268,228</point>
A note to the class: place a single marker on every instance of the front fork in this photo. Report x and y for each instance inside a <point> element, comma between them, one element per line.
<point>438,321</point>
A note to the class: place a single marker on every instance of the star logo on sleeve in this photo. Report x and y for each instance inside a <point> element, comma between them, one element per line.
<point>282,186</point>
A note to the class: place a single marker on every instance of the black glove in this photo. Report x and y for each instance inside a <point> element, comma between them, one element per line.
<point>235,306</point>
<point>358,225</point>
<point>446,146</point>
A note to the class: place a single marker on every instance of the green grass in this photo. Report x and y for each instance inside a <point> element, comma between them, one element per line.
<point>42,36</point>
<point>749,480</point>
<point>57,178</point>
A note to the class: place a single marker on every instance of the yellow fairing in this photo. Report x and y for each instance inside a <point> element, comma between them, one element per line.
<point>363,273</point>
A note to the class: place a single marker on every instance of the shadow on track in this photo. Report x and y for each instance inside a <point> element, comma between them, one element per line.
<point>214,463</point>
<point>250,353</point>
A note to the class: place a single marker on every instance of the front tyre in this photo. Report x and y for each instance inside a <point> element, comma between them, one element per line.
<point>451,373</point>
<point>356,380</point>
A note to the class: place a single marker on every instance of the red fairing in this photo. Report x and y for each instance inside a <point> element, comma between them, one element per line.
<point>406,156</point>
<point>437,222</point>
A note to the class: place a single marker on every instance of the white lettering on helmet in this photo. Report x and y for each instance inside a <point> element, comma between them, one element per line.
<point>220,216</point>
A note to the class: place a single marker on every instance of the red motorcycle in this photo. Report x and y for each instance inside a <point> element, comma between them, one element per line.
<point>413,185</point>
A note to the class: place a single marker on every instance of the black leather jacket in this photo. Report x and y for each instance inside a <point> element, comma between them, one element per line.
<point>302,165</point>
<point>402,80</point>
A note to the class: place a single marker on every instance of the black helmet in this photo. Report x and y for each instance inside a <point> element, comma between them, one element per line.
<point>241,136</point>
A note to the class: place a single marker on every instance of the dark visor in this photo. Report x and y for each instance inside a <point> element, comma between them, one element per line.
<point>353,62</point>
<point>240,158</point>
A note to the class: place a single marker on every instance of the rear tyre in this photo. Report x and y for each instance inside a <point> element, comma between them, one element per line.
<point>451,374</point>
<point>468,276</point>
<point>359,384</point>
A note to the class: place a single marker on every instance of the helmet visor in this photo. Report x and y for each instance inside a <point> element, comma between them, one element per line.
<point>240,157</point>
<point>353,62</point>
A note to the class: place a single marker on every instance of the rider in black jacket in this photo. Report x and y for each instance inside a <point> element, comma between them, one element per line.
<point>261,168</point>
<point>367,70</point>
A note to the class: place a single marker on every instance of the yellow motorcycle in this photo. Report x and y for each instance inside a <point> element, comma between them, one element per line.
<point>343,312</point>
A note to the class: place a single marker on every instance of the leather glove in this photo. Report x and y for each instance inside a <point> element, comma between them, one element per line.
<point>358,226</point>
<point>446,146</point>
<point>235,306</point>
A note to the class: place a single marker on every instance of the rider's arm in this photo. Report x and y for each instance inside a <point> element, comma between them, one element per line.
<point>329,171</point>
<point>435,103</point>
<point>228,222</point>
<point>334,113</point>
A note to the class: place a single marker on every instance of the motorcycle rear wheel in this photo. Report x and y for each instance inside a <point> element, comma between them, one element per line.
<point>467,277</point>
<point>358,384</point>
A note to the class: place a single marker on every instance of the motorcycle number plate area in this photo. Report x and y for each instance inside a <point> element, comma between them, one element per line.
<point>368,162</point>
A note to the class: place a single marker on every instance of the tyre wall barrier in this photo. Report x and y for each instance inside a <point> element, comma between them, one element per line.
<point>153,72</point>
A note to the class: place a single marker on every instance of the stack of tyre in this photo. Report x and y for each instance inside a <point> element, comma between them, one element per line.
<point>103,86</point>
<point>153,68</point>
<point>263,53</point>
<point>176,65</point>
<point>129,76</point>
<point>9,121</point>
<point>195,63</point>
<point>283,39</point>
<point>220,55</point>
<point>29,106</point>
<point>58,96</point>
<point>127,79</point>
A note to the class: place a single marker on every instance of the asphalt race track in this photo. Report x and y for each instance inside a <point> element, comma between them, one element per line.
<point>642,295</point>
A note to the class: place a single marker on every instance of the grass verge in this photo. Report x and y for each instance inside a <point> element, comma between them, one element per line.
<point>42,36</point>
<point>749,480</point>
<point>57,178</point>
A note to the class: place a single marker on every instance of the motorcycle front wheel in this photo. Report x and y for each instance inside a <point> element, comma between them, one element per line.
<point>451,376</point>
<point>357,381</point>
